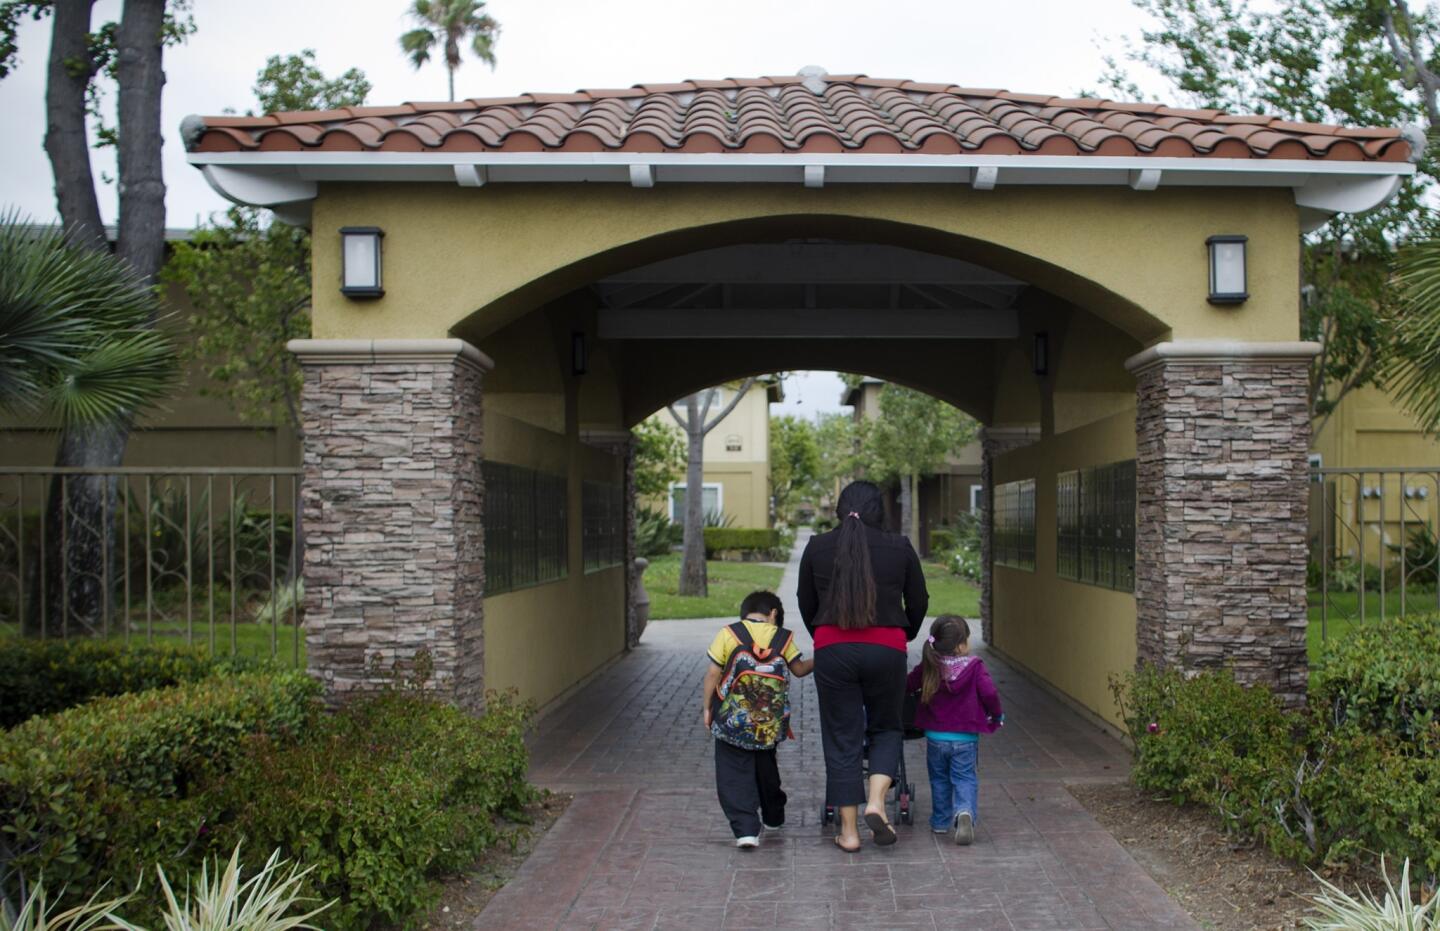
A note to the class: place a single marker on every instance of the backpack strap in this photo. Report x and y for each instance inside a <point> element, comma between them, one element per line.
<point>781,641</point>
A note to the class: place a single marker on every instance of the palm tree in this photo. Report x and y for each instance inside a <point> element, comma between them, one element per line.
<point>77,347</point>
<point>1413,372</point>
<point>449,23</point>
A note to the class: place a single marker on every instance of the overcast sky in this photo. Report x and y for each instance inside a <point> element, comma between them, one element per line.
<point>1039,46</point>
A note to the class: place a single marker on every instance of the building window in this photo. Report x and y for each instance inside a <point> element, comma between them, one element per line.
<point>525,519</point>
<point>602,507</point>
<point>1015,525</point>
<point>713,501</point>
<point>1095,526</point>
<point>977,498</point>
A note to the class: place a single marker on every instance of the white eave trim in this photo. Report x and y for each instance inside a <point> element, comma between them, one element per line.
<point>1321,187</point>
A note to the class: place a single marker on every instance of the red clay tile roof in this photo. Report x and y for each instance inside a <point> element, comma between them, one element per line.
<point>855,113</point>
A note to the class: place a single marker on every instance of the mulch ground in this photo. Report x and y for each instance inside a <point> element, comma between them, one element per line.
<point>464,897</point>
<point>1224,885</point>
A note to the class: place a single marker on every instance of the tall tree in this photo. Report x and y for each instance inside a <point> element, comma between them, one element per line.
<point>1351,62</point>
<point>295,82</point>
<point>913,436</point>
<point>449,24</point>
<point>659,457</point>
<point>697,422</point>
<point>129,53</point>
<point>794,460</point>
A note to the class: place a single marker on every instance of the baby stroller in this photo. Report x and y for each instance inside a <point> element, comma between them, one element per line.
<point>900,800</point>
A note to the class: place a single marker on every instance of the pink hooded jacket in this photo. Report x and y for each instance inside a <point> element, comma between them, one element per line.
<point>966,703</point>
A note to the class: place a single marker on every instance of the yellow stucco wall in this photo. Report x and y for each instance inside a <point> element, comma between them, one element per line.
<point>1071,634</point>
<point>545,639</point>
<point>1137,259</point>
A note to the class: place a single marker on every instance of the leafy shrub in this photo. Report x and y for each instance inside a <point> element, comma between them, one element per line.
<point>655,535</point>
<point>1382,676</point>
<point>45,676</point>
<point>719,519</point>
<point>1422,557</point>
<point>942,541</point>
<point>825,523</point>
<point>966,564</point>
<point>740,539</point>
<point>1338,910</point>
<point>389,793</point>
<point>1353,776</point>
<point>102,791</point>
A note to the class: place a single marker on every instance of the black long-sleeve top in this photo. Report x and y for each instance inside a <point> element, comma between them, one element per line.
<point>898,577</point>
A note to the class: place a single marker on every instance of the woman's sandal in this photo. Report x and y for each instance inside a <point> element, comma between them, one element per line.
<point>884,833</point>
<point>855,849</point>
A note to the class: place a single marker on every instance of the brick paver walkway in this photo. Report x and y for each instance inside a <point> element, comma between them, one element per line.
<point>645,846</point>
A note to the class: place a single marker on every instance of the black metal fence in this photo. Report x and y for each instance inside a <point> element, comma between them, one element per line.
<point>206,555</point>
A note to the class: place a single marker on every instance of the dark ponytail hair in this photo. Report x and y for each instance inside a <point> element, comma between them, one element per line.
<point>946,634</point>
<point>850,601</point>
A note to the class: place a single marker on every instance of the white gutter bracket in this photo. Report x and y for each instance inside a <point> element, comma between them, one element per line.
<point>985,177</point>
<point>1146,179</point>
<point>642,176</point>
<point>471,175</point>
<point>815,176</point>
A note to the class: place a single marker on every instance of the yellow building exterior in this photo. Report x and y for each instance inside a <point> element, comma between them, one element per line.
<point>1068,282</point>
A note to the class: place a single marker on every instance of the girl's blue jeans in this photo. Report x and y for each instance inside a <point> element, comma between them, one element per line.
<point>953,785</point>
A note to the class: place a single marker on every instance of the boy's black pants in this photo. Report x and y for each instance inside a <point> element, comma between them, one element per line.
<point>749,781</point>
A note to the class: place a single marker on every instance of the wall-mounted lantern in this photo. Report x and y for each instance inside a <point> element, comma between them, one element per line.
<point>1040,357</point>
<point>360,262</point>
<point>579,361</point>
<point>1227,269</point>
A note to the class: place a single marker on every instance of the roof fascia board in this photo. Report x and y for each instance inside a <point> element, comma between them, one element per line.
<point>275,179</point>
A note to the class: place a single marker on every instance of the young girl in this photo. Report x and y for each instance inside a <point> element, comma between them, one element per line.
<point>958,703</point>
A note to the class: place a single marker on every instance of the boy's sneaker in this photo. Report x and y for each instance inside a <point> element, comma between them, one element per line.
<point>964,829</point>
<point>746,843</point>
<point>772,827</point>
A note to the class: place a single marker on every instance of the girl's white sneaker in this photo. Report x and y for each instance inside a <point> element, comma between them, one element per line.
<point>745,843</point>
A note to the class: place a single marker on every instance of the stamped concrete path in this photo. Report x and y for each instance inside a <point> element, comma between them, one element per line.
<point>645,846</point>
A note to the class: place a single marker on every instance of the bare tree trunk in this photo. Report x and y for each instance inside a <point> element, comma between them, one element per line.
<point>693,578</point>
<point>66,141</point>
<point>142,184</point>
<point>907,511</point>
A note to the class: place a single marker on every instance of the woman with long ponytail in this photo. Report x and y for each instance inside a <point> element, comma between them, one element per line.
<point>863,598</point>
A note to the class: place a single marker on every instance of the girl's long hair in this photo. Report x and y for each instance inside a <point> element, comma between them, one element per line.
<point>946,634</point>
<point>850,601</point>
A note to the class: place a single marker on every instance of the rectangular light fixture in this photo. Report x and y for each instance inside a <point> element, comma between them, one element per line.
<point>1227,269</point>
<point>579,362</point>
<point>1040,359</point>
<point>360,262</point>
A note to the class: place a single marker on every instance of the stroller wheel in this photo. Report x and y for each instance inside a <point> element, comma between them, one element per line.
<point>906,816</point>
<point>827,814</point>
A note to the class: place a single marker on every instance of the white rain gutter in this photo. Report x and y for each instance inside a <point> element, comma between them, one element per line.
<point>287,181</point>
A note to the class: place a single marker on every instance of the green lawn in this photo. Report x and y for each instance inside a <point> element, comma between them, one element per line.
<point>1344,612</point>
<point>950,594</point>
<point>730,582</point>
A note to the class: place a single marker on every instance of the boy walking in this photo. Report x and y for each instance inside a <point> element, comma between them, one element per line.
<point>745,704</point>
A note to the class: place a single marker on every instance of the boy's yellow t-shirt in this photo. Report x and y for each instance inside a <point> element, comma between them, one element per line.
<point>725,643</point>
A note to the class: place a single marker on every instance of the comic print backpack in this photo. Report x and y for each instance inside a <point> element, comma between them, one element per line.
<point>751,708</point>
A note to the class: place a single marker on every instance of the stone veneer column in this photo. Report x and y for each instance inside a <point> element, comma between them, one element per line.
<point>392,496</point>
<point>1222,430</point>
<point>994,441</point>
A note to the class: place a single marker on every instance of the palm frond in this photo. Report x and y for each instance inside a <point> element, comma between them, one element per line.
<point>417,44</point>
<point>1413,372</point>
<point>124,375</point>
<point>57,303</point>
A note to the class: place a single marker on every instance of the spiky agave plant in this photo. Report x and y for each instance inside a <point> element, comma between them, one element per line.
<point>36,913</point>
<point>221,901</point>
<point>1397,911</point>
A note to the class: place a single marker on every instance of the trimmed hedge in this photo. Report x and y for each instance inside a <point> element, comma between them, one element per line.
<point>46,676</point>
<point>1353,776</point>
<point>388,794</point>
<point>942,541</point>
<point>742,539</point>
<point>101,792</point>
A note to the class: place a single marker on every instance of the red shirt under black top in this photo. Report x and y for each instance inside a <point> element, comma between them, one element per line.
<point>900,594</point>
